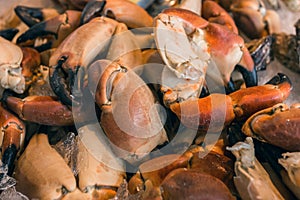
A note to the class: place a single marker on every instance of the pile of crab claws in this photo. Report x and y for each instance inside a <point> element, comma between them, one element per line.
<point>9,34</point>
<point>158,176</point>
<point>31,16</point>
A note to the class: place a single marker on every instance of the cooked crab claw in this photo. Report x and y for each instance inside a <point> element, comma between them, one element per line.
<point>71,59</point>
<point>188,44</point>
<point>217,110</point>
<point>11,138</point>
<point>123,11</point>
<point>278,125</point>
<point>50,33</point>
<point>129,117</point>
<point>31,16</point>
<point>9,34</point>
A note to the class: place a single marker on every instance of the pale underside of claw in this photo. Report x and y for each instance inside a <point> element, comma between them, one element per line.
<point>98,166</point>
<point>192,5</point>
<point>251,180</point>
<point>41,172</point>
<point>291,162</point>
<point>124,48</point>
<point>185,53</point>
<point>177,51</point>
<point>10,70</point>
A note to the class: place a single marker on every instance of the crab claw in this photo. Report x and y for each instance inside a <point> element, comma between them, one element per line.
<point>248,101</point>
<point>123,11</point>
<point>31,16</point>
<point>9,34</point>
<point>71,60</point>
<point>51,111</point>
<point>49,34</point>
<point>277,125</point>
<point>218,110</point>
<point>254,19</point>
<point>11,137</point>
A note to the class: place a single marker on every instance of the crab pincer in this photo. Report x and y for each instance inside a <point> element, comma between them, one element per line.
<point>194,45</point>
<point>218,110</point>
<point>50,33</point>
<point>278,125</point>
<point>129,117</point>
<point>32,15</point>
<point>73,56</point>
<point>12,137</point>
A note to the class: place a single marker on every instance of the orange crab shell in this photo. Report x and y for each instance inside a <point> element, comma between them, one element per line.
<point>277,126</point>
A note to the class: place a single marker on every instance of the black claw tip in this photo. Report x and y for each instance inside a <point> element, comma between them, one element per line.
<point>9,34</point>
<point>91,10</point>
<point>280,78</point>
<point>59,86</point>
<point>9,157</point>
<point>250,77</point>
<point>230,87</point>
<point>30,16</point>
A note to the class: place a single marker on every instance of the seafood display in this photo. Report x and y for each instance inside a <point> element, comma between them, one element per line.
<point>135,99</point>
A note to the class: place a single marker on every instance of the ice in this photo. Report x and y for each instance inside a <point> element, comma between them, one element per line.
<point>7,186</point>
<point>12,194</point>
<point>123,193</point>
<point>5,180</point>
<point>68,149</point>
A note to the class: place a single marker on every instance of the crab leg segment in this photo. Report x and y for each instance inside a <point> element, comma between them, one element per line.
<point>41,109</point>
<point>75,53</point>
<point>218,110</point>
<point>11,137</point>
